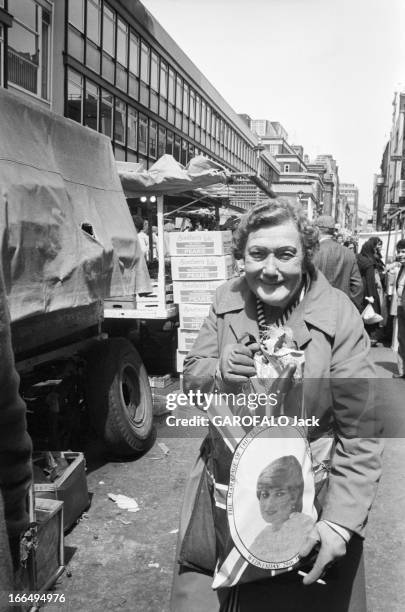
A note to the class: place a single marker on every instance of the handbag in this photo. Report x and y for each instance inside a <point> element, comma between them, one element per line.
<point>198,547</point>
<point>369,315</point>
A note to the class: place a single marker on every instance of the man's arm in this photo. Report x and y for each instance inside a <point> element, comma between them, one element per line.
<point>356,285</point>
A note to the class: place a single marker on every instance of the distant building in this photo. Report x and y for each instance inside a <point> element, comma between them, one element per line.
<point>389,185</point>
<point>331,200</point>
<point>350,192</point>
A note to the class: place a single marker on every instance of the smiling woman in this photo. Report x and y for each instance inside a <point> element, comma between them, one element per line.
<point>281,288</point>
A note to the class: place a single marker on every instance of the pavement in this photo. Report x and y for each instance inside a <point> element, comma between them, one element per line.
<point>122,561</point>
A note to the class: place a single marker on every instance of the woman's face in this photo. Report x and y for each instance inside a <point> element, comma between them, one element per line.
<point>401,255</point>
<point>273,261</point>
<point>276,505</point>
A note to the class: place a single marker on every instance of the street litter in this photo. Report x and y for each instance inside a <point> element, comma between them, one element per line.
<point>125,522</point>
<point>164,448</point>
<point>101,482</point>
<point>153,565</point>
<point>174,531</point>
<point>124,502</point>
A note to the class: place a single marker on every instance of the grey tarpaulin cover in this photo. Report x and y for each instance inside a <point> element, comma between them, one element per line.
<point>55,176</point>
<point>167,176</point>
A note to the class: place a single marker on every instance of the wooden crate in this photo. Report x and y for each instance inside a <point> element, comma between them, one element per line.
<point>70,487</point>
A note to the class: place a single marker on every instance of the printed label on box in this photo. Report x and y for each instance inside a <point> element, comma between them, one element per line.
<point>186,339</point>
<point>192,316</point>
<point>202,268</point>
<point>200,243</point>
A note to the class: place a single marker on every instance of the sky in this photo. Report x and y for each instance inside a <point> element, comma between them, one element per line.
<point>327,70</point>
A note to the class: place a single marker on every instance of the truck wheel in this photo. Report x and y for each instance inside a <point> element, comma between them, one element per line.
<point>120,399</point>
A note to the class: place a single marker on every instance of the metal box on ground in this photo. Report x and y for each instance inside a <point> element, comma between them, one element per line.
<point>45,562</point>
<point>70,487</point>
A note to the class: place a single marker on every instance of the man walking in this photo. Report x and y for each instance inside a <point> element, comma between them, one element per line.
<point>397,289</point>
<point>337,262</point>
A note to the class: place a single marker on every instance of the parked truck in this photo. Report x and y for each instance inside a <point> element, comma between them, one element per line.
<point>68,242</point>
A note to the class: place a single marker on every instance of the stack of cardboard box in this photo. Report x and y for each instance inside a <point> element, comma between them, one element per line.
<point>201,262</point>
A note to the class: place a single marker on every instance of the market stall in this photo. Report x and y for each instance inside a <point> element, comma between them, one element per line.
<point>166,178</point>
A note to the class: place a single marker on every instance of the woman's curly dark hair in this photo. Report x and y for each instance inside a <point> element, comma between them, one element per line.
<point>272,213</point>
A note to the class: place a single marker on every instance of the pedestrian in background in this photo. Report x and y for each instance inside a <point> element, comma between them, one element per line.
<point>351,245</point>
<point>142,229</point>
<point>396,296</point>
<point>15,456</point>
<point>372,272</point>
<point>337,263</point>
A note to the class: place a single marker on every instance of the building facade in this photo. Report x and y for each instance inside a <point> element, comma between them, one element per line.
<point>349,194</point>
<point>389,184</point>
<point>111,67</point>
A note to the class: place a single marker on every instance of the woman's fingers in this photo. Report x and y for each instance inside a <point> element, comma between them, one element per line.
<point>237,361</point>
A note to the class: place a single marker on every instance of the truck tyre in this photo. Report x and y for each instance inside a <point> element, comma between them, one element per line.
<point>120,399</point>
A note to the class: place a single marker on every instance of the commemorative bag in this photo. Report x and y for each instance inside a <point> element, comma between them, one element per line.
<point>263,476</point>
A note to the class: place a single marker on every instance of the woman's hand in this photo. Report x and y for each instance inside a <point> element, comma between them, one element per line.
<point>236,362</point>
<point>332,548</point>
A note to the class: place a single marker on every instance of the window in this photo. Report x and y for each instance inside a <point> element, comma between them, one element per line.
<point>197,110</point>
<point>74,96</point>
<point>184,152</point>
<point>176,148</point>
<point>29,47</point>
<point>106,113</point>
<point>91,106</point>
<point>76,13</point>
<point>120,121</point>
<point>154,82</point>
<point>208,120</point>
<point>145,52</point>
<point>185,99</point>
<point>132,130</point>
<point>161,141</point>
<point>286,168</point>
<point>93,57</point>
<point>192,105</point>
<point>122,43</point>
<point>133,53</point>
<point>169,142</point>
<point>143,134</point>
<point>145,74</point>
<point>163,90</point>
<point>93,20</point>
<point>152,139</point>
<point>171,86</point>
<point>179,93</point>
<point>109,31</point>
<point>171,97</point>
<point>203,114</point>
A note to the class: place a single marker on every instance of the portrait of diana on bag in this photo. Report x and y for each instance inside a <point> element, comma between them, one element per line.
<point>280,286</point>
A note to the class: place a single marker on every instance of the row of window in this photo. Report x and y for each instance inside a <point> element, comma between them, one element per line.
<point>104,42</point>
<point>135,135</point>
